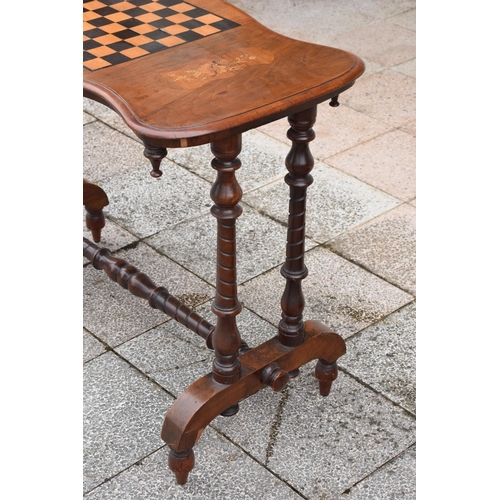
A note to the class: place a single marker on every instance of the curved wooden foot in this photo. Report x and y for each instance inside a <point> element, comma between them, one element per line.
<point>326,373</point>
<point>94,200</point>
<point>181,464</point>
<point>263,365</point>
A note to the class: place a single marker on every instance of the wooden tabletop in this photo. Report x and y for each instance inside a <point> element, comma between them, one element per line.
<point>187,73</point>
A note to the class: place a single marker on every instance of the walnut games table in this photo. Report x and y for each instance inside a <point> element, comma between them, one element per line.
<point>183,74</point>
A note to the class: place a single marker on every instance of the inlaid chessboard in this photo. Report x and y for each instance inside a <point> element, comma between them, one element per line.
<point>117,31</point>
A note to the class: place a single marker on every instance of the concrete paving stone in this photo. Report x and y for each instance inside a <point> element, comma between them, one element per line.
<point>160,353</point>
<point>115,315</point>
<point>327,445</point>
<point>318,21</point>
<point>382,42</point>
<point>370,68</point>
<point>172,368</point>
<point>385,246</point>
<point>254,427</point>
<point>175,358</point>
<point>336,202</point>
<point>145,205</point>
<point>123,414</point>
<point>305,20</point>
<point>91,347</point>
<point>387,96</point>
<point>113,236</point>
<point>386,162</point>
<point>250,428</point>
<point>107,152</point>
<point>108,116</point>
<point>87,118</point>
<point>260,245</point>
<point>410,127</point>
<point>337,129</point>
<point>406,19</point>
<point>408,68</point>
<point>337,293</point>
<point>222,471</point>
<point>262,160</point>
<point>395,480</point>
<point>382,9</point>
<point>384,354</point>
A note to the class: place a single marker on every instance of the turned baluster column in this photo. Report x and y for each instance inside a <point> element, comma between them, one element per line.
<point>299,163</point>
<point>226,193</point>
<point>226,340</point>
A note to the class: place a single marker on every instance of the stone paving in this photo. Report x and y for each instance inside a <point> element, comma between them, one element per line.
<point>356,444</point>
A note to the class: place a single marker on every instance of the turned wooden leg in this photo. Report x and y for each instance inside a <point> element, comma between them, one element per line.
<point>226,340</point>
<point>299,163</point>
<point>226,193</point>
<point>94,200</point>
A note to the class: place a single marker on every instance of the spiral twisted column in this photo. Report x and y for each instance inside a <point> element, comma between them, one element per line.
<point>299,163</point>
<point>226,193</point>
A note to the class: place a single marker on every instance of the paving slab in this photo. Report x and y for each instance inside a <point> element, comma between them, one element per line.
<point>115,315</point>
<point>353,415</point>
<point>387,96</point>
<point>370,69</point>
<point>337,129</point>
<point>338,293</point>
<point>113,236</point>
<point>336,202</point>
<point>382,42</point>
<point>145,205</point>
<point>311,20</point>
<point>107,152</point>
<point>222,471</point>
<point>260,244</point>
<point>410,127</point>
<point>161,354</point>
<point>385,246</point>
<point>87,118</point>
<point>408,68</point>
<point>123,414</point>
<point>386,162</point>
<point>262,160</point>
<point>108,116</point>
<point>175,357</point>
<point>407,19</point>
<point>326,445</point>
<point>91,346</point>
<point>384,356</point>
<point>395,480</point>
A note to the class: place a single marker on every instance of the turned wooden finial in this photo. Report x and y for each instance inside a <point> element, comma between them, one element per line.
<point>155,156</point>
<point>334,103</point>
<point>181,463</point>
<point>326,373</point>
<point>94,200</point>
